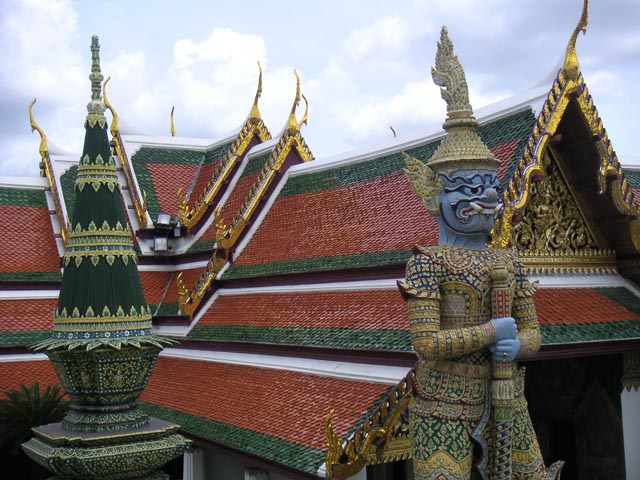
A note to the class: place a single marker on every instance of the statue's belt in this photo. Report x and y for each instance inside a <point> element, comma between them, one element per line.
<point>464,369</point>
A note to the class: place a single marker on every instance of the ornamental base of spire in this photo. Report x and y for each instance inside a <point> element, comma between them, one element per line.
<point>104,385</point>
<point>138,454</point>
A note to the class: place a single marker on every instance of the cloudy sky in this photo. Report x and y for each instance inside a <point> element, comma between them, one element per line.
<point>364,65</point>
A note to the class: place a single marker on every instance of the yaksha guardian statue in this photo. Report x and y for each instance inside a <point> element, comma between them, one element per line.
<point>471,313</point>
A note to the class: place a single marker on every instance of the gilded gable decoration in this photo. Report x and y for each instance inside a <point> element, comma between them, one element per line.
<point>569,85</point>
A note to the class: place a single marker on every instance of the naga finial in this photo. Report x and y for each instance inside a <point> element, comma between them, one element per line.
<point>255,112</point>
<point>293,126</point>
<point>393,130</point>
<point>172,125</point>
<point>114,124</point>
<point>449,74</point>
<point>44,148</point>
<point>571,65</point>
<point>95,107</point>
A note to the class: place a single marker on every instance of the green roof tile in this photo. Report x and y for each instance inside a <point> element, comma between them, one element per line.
<point>566,334</point>
<point>68,183</point>
<point>31,277</point>
<point>23,338</point>
<point>622,296</point>
<point>397,340</point>
<point>633,177</point>
<point>14,197</point>
<point>376,259</point>
<point>255,164</point>
<point>271,448</point>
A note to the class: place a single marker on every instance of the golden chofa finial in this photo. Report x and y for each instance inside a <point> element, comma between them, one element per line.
<point>43,138</point>
<point>172,125</point>
<point>255,116</point>
<point>571,66</point>
<point>293,126</point>
<point>114,124</point>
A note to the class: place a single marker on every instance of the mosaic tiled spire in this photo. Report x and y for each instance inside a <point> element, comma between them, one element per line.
<point>101,301</point>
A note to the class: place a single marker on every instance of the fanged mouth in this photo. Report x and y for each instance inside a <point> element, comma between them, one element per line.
<point>478,208</point>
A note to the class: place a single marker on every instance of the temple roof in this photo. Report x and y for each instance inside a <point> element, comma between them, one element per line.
<point>359,212</point>
<point>281,421</point>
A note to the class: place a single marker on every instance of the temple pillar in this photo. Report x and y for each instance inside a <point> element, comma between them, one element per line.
<point>252,473</point>
<point>630,400</point>
<point>193,464</point>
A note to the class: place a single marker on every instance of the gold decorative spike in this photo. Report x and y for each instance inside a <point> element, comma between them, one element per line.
<point>305,117</point>
<point>395,135</point>
<point>424,182</point>
<point>115,127</point>
<point>44,148</point>
<point>292,124</point>
<point>571,65</point>
<point>183,206</point>
<point>172,125</point>
<point>182,290</point>
<point>46,170</point>
<point>255,116</point>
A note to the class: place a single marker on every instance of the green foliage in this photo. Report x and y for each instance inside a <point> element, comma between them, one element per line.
<point>26,407</point>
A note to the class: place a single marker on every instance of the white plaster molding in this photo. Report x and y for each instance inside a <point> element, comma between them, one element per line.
<point>23,357</point>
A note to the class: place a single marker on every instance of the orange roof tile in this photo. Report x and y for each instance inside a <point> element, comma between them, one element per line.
<point>29,237</point>
<point>14,374</point>
<point>154,285</point>
<point>372,309</point>
<point>378,215</point>
<point>167,180</point>
<point>287,405</point>
<point>27,315</point>
<point>568,306</point>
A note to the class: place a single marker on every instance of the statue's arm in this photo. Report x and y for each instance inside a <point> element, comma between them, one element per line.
<point>423,303</point>
<point>524,311</point>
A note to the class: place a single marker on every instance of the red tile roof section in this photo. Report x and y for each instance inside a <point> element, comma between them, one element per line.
<point>27,315</point>
<point>206,173</point>
<point>231,207</point>
<point>189,278</point>
<point>28,237</point>
<point>154,285</point>
<point>567,306</point>
<point>505,154</point>
<point>167,180</point>
<point>378,215</point>
<point>371,309</point>
<point>287,405</point>
<point>14,374</point>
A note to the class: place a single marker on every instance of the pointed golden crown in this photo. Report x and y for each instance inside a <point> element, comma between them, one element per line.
<point>461,148</point>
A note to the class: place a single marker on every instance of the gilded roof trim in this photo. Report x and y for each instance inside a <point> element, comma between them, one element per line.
<point>46,170</point>
<point>140,206</point>
<point>369,442</point>
<point>228,236</point>
<point>254,126</point>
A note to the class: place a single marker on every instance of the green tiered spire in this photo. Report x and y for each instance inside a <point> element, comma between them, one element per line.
<point>101,302</point>
<point>102,348</point>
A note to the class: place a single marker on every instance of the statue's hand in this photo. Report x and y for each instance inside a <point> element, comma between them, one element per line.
<point>506,350</point>
<point>505,328</point>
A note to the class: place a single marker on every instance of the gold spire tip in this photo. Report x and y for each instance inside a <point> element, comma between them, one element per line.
<point>571,65</point>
